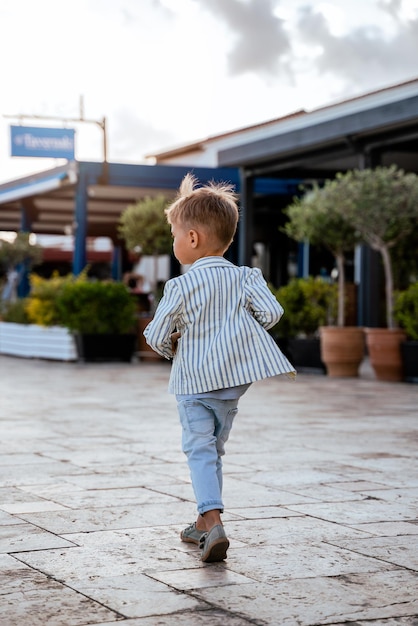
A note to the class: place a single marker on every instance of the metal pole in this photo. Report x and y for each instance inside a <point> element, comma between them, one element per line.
<point>105,161</point>
<point>100,123</point>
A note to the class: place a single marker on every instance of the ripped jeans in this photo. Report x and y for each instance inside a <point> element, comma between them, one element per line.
<point>206,424</point>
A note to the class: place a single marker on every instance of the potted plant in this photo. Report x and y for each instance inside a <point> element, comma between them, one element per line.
<point>143,227</point>
<point>313,217</point>
<point>406,314</point>
<point>308,304</point>
<point>102,316</point>
<point>382,205</point>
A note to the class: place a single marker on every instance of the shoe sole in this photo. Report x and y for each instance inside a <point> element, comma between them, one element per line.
<point>216,551</point>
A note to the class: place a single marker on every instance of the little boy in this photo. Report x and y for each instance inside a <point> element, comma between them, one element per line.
<point>212,321</point>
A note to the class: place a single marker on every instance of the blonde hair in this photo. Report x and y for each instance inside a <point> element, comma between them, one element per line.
<point>213,206</point>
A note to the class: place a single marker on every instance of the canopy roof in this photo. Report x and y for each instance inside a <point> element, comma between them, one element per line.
<point>46,202</point>
<point>378,128</point>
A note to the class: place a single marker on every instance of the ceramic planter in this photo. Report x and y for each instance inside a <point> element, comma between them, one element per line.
<point>104,347</point>
<point>384,347</point>
<point>409,354</point>
<point>305,354</point>
<point>342,350</point>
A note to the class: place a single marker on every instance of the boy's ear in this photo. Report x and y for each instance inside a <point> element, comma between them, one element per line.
<point>193,238</point>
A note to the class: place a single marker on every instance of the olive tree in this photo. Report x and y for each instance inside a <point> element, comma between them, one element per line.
<point>19,250</point>
<point>381,204</point>
<point>314,217</point>
<point>144,226</point>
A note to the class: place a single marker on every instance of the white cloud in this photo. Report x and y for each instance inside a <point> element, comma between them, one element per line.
<point>165,73</point>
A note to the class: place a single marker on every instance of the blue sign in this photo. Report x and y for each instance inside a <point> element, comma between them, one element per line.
<point>34,141</point>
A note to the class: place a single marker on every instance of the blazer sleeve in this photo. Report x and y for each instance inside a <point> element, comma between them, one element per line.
<point>158,332</point>
<point>260,301</point>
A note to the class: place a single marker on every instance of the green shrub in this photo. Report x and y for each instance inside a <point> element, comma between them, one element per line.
<point>308,304</point>
<point>145,225</point>
<point>42,304</point>
<point>406,311</point>
<point>15,312</point>
<point>97,308</point>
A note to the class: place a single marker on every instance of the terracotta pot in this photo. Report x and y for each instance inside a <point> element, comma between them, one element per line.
<point>384,347</point>
<point>342,349</point>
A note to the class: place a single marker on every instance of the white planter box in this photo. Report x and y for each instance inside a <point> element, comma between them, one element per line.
<point>41,342</point>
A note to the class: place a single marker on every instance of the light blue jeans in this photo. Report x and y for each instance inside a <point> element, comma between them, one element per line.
<point>206,424</point>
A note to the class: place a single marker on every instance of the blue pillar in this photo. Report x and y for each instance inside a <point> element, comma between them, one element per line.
<point>370,271</point>
<point>303,259</point>
<point>80,224</point>
<point>23,285</point>
<point>117,263</point>
<point>245,224</point>
<point>25,220</point>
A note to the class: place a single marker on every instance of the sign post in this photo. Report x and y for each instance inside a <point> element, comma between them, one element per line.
<point>66,138</point>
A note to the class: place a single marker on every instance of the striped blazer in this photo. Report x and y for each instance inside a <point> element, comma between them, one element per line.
<point>223,313</point>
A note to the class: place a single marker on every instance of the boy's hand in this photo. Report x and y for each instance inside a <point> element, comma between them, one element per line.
<point>174,338</point>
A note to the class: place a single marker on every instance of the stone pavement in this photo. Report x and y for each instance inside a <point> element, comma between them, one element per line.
<point>321,493</point>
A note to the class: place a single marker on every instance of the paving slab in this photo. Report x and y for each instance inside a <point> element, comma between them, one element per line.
<point>389,529</point>
<point>24,537</point>
<point>400,550</point>
<point>29,597</point>
<point>88,520</point>
<point>123,594</point>
<point>290,529</point>
<point>273,563</point>
<point>102,498</point>
<point>366,510</point>
<point>321,494</point>
<point>321,600</point>
<point>203,617</point>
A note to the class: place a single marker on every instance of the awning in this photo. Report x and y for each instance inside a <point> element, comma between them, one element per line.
<point>60,200</point>
<point>38,183</point>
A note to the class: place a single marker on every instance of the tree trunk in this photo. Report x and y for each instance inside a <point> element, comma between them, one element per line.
<point>155,276</point>
<point>387,265</point>
<point>341,289</point>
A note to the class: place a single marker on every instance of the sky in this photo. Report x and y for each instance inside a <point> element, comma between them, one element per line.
<point>165,73</point>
